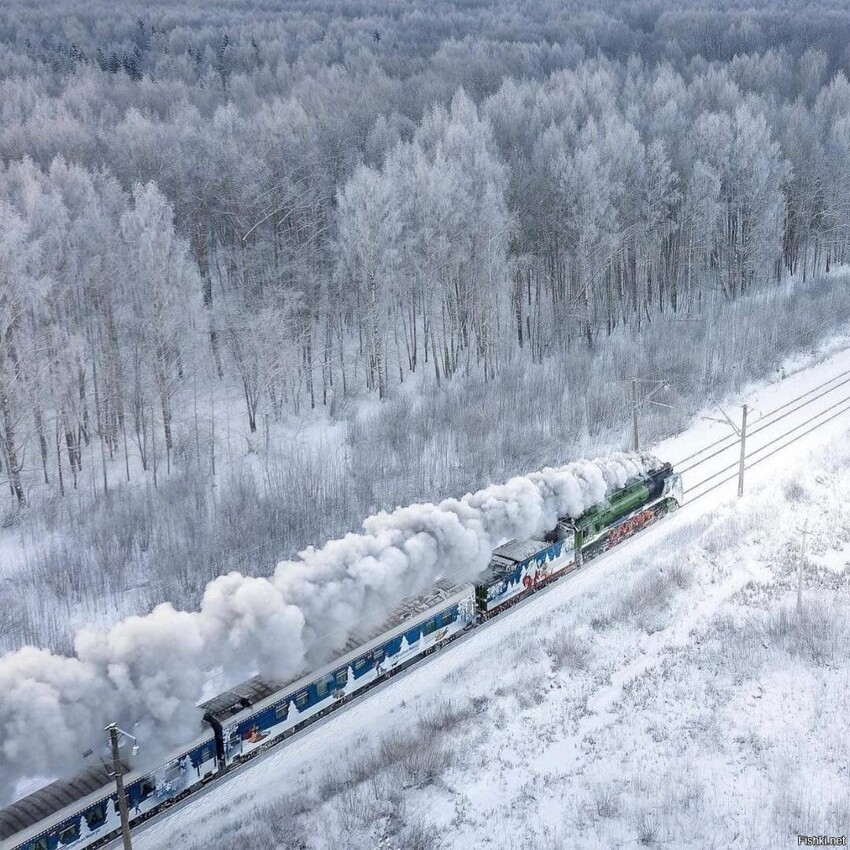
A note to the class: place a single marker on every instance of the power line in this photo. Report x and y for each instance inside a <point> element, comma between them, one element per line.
<point>691,499</point>
<point>799,406</point>
<point>776,440</point>
<point>801,425</point>
<point>762,424</point>
<point>735,439</point>
<point>732,437</point>
<point>807,392</point>
<point>800,436</point>
<point>766,445</point>
<point>809,430</point>
<point>714,475</point>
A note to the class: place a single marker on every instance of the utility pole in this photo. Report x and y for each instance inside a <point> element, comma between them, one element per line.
<point>804,531</point>
<point>743,434</point>
<point>212,435</point>
<point>117,772</point>
<point>635,438</point>
<point>637,404</point>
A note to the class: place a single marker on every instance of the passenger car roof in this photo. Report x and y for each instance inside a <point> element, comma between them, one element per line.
<point>44,802</point>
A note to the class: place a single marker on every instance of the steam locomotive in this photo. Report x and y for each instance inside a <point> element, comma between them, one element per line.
<point>83,812</point>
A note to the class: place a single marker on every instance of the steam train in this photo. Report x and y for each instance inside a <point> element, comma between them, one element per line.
<point>244,721</point>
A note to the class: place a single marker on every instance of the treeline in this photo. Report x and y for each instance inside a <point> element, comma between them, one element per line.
<point>313,206</point>
<point>430,41</point>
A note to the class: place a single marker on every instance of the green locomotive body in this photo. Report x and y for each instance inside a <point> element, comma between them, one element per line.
<point>627,510</point>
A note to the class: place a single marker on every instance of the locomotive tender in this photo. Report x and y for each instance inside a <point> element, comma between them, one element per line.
<point>83,812</point>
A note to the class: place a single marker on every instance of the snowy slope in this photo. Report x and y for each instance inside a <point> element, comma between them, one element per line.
<point>661,696</point>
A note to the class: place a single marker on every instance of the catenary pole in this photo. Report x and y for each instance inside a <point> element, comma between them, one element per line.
<point>802,558</point>
<point>743,450</point>
<point>638,403</point>
<point>117,772</point>
<point>635,436</point>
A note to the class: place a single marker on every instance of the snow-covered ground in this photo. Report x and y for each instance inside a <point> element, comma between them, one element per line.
<point>666,695</point>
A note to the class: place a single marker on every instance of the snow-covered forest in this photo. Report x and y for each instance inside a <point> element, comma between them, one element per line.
<point>263,273</point>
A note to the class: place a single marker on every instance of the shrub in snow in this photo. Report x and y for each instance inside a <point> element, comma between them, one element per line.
<point>567,650</point>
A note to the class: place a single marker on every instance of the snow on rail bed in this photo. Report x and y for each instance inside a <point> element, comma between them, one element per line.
<point>664,695</point>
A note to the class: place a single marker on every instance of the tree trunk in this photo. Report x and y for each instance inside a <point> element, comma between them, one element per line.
<point>59,460</point>
<point>9,448</point>
<point>38,418</point>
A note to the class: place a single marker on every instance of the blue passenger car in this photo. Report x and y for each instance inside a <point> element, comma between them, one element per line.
<point>83,811</point>
<point>417,627</point>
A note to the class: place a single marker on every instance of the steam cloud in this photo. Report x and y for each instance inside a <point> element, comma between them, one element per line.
<point>148,672</point>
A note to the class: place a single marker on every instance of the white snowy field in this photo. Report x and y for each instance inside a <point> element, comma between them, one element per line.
<point>666,695</point>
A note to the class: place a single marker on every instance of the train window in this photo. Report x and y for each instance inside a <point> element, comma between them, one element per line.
<point>378,655</point>
<point>206,754</point>
<point>429,627</point>
<point>321,689</point>
<point>341,678</point>
<point>69,834</point>
<point>96,815</point>
<point>282,711</point>
<point>302,698</point>
<point>148,787</point>
<point>40,844</point>
<point>360,664</point>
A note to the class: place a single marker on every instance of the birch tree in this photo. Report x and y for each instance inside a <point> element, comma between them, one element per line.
<point>164,286</point>
<point>15,251</point>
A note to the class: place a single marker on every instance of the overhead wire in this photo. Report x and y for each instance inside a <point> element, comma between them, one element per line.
<point>733,439</point>
<point>715,474</point>
<point>691,499</point>
<point>844,401</point>
<point>798,407</point>
<point>807,392</point>
<point>797,427</point>
<point>799,436</point>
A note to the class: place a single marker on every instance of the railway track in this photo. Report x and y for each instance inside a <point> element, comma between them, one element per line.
<point>401,673</point>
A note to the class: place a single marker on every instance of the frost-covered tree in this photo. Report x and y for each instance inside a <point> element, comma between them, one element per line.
<point>748,232</point>
<point>163,287</point>
<point>14,282</point>
<point>370,232</point>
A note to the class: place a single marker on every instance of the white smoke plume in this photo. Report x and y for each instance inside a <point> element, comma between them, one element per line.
<point>148,672</point>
